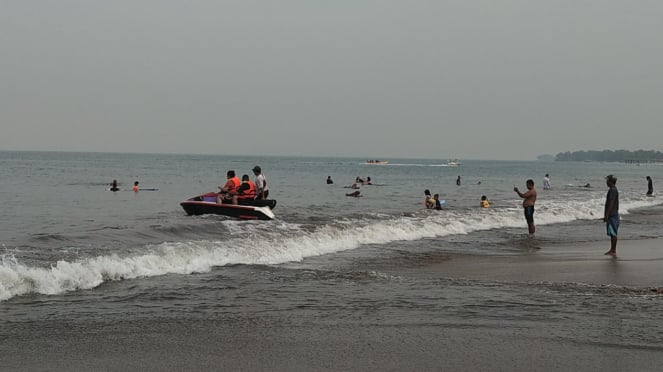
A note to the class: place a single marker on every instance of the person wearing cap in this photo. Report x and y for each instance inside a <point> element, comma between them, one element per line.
<point>262,192</point>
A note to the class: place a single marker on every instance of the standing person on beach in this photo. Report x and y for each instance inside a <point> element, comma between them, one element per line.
<point>650,186</point>
<point>262,192</point>
<point>528,205</point>
<point>611,213</point>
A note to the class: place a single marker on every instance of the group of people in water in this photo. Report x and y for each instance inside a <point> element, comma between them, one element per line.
<point>114,187</point>
<point>234,190</point>
<point>432,202</point>
<point>355,186</point>
<point>611,208</point>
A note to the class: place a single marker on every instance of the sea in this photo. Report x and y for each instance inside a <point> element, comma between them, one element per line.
<point>71,249</point>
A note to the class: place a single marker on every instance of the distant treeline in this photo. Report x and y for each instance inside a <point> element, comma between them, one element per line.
<point>609,155</point>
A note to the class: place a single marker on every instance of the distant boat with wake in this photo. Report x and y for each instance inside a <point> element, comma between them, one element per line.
<point>377,162</point>
<point>453,163</point>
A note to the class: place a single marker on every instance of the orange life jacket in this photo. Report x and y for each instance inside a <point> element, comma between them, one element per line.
<point>249,193</point>
<point>235,184</point>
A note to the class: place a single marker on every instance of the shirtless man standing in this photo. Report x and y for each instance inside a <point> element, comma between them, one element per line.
<point>528,205</point>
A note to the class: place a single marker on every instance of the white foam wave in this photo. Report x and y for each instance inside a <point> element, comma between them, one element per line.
<point>274,244</point>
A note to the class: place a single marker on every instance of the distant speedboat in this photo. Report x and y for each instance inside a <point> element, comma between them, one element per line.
<point>453,163</point>
<point>378,162</point>
<point>246,210</point>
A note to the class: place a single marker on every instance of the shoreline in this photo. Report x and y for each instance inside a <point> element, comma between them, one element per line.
<point>360,339</point>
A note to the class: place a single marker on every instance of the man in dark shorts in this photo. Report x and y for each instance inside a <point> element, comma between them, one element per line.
<point>528,205</point>
<point>611,213</point>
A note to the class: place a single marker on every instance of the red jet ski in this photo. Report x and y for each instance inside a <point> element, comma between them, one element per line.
<point>248,209</point>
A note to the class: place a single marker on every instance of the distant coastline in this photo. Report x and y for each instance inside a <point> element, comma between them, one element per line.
<point>639,156</point>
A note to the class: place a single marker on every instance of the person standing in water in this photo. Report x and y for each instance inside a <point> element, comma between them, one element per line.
<point>458,181</point>
<point>546,182</point>
<point>611,213</point>
<point>650,186</point>
<point>528,205</point>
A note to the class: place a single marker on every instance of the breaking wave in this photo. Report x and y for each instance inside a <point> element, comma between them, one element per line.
<point>272,243</point>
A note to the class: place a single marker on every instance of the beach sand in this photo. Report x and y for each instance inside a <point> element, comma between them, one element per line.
<point>344,341</point>
<point>639,263</point>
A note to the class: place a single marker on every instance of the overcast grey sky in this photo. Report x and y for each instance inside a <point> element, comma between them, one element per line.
<point>482,79</point>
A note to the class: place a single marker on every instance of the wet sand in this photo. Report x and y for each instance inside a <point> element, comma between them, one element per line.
<point>246,345</point>
<point>282,342</point>
<point>639,263</point>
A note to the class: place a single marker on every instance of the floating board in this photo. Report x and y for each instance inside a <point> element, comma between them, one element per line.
<point>141,189</point>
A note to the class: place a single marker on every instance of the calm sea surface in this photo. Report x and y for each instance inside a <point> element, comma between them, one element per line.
<point>70,248</point>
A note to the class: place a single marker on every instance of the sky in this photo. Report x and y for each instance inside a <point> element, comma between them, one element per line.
<point>466,79</point>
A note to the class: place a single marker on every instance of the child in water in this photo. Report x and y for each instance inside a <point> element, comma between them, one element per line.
<point>484,202</point>
<point>438,204</point>
<point>136,188</point>
<point>429,202</point>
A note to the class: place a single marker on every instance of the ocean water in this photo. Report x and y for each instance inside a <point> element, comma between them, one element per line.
<point>70,248</point>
